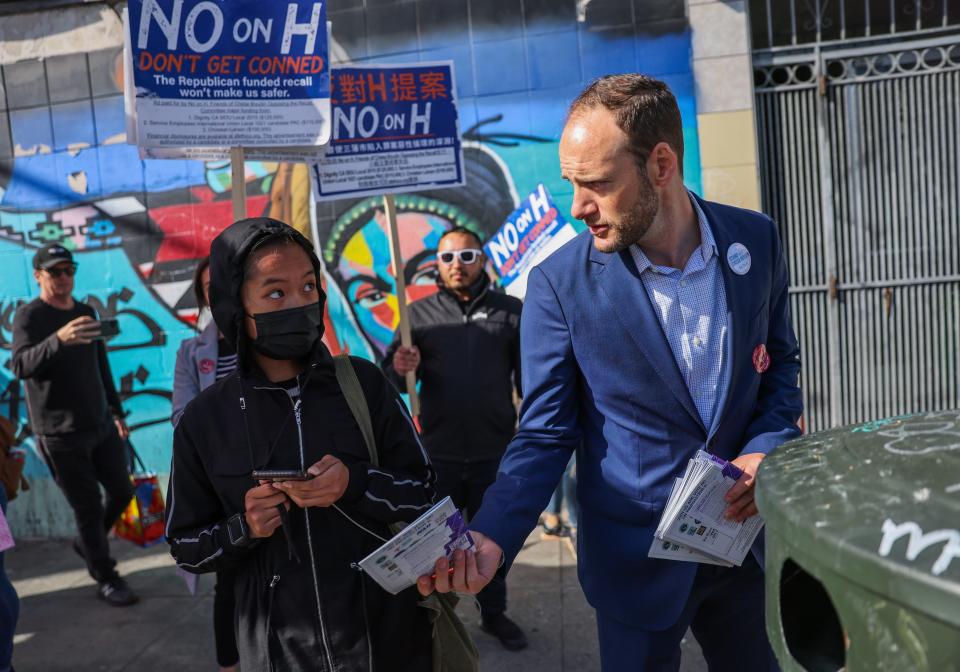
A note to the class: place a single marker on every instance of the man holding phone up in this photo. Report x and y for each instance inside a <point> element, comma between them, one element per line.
<point>75,411</point>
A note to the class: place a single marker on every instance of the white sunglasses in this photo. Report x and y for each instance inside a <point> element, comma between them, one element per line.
<point>465,256</point>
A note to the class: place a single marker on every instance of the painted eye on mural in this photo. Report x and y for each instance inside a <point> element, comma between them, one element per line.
<point>425,274</point>
<point>368,296</point>
<point>421,269</point>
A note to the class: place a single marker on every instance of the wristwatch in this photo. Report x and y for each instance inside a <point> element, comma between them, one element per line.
<point>238,532</point>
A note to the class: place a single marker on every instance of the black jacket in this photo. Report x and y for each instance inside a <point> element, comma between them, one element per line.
<point>469,365</point>
<point>320,613</point>
<point>69,387</point>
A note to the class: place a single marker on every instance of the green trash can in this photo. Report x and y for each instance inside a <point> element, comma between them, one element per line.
<point>863,546</point>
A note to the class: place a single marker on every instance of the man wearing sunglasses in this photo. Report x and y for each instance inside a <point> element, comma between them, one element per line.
<point>466,354</point>
<point>75,411</point>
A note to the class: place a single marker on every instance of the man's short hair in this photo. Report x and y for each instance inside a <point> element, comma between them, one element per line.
<point>644,109</point>
<point>463,231</point>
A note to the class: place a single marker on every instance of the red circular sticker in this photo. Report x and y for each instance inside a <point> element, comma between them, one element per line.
<point>761,358</point>
<point>208,365</point>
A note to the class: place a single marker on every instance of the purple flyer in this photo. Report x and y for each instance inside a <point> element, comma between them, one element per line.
<point>458,529</point>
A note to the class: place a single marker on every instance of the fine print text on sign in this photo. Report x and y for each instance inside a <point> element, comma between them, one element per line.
<point>395,129</point>
<point>530,234</point>
<point>230,72</point>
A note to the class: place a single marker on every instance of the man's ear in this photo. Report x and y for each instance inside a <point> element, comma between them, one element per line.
<point>662,164</point>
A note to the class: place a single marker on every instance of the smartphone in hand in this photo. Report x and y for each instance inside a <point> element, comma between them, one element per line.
<point>108,329</point>
<point>278,475</point>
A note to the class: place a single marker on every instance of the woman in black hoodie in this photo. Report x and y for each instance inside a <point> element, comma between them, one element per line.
<point>302,603</point>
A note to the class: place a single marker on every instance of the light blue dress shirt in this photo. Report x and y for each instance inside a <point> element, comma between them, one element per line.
<point>692,307</point>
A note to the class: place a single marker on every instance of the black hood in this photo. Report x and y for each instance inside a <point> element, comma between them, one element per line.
<point>228,255</point>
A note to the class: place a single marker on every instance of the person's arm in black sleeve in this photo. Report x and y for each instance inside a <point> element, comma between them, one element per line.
<point>516,355</point>
<point>31,352</point>
<point>113,399</point>
<point>202,536</point>
<point>401,488</point>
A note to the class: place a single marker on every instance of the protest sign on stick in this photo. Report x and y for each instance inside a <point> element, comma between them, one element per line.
<point>395,129</point>
<point>229,73</point>
<point>201,76</point>
<point>530,234</point>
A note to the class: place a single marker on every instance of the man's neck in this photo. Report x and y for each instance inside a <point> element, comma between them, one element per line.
<point>675,232</point>
<point>277,370</point>
<point>61,302</point>
<point>466,294</point>
<point>461,295</point>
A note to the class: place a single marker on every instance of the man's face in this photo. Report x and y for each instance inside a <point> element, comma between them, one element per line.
<point>612,195</point>
<point>57,281</point>
<point>458,275</point>
<point>278,277</point>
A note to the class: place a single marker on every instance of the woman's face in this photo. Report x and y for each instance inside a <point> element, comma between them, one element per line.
<point>367,274</point>
<point>279,277</point>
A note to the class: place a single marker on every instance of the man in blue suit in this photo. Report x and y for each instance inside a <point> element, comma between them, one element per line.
<point>663,330</point>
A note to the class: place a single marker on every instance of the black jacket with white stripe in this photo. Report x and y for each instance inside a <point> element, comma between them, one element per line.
<point>469,368</point>
<point>300,611</point>
<point>308,607</point>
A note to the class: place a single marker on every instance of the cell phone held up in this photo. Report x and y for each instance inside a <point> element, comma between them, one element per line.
<point>278,475</point>
<point>108,329</point>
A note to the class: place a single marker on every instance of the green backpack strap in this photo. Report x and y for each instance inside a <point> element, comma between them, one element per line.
<point>357,401</point>
<point>453,648</point>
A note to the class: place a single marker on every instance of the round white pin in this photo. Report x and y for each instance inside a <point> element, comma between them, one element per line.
<point>738,257</point>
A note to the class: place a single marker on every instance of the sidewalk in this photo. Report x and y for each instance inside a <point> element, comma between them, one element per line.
<point>64,627</point>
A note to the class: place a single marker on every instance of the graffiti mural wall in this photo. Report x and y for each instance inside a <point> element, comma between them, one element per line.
<point>138,227</point>
<point>518,65</point>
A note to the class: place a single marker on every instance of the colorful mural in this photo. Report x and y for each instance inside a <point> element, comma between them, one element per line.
<point>517,66</point>
<point>137,227</point>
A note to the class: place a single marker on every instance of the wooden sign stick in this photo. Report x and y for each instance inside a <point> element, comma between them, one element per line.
<point>406,340</point>
<point>238,183</point>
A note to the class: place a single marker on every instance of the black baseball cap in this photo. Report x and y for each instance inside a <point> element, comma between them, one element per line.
<point>50,255</point>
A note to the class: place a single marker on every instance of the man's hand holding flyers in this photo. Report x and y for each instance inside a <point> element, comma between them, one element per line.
<point>470,571</point>
<point>740,496</point>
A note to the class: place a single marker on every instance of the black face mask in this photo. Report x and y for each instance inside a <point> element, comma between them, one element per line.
<point>290,333</point>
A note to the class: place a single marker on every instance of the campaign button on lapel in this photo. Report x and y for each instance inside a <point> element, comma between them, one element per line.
<point>738,257</point>
<point>206,366</point>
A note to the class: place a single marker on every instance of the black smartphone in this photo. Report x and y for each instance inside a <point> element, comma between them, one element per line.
<point>276,475</point>
<point>108,329</point>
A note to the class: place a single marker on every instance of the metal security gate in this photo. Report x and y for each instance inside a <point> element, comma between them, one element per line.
<point>859,143</point>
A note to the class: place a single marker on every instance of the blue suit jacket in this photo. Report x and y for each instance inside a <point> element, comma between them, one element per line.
<point>599,377</point>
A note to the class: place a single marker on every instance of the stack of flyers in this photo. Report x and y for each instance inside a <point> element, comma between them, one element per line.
<point>693,527</point>
<point>412,553</point>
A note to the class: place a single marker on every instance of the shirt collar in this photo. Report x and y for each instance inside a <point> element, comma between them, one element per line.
<point>708,245</point>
